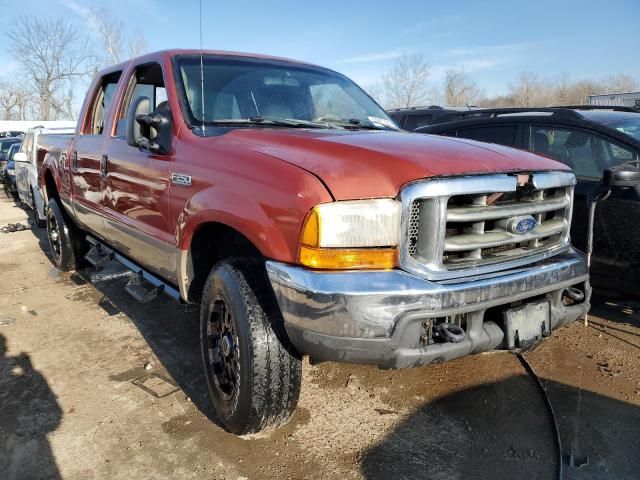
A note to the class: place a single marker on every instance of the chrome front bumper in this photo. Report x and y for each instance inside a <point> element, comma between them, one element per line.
<point>376,317</point>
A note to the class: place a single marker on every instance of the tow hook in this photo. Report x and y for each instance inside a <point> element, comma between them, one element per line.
<point>574,294</point>
<point>450,332</point>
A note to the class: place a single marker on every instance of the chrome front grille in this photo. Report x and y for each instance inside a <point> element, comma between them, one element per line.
<point>465,225</point>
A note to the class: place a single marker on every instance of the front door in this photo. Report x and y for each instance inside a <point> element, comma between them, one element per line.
<point>137,183</point>
<point>616,227</point>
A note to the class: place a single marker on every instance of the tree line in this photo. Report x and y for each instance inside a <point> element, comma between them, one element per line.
<point>408,84</point>
<point>55,56</point>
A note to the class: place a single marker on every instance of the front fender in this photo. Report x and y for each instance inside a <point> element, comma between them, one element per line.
<point>270,218</point>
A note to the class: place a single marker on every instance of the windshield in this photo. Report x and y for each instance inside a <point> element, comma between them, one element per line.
<point>5,146</point>
<point>12,151</point>
<point>253,91</point>
<point>630,126</point>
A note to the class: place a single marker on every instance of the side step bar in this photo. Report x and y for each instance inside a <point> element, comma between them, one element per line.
<point>97,256</point>
<point>142,285</point>
<point>142,290</point>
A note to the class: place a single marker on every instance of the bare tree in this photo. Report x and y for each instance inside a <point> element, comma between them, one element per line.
<point>115,43</point>
<point>459,89</point>
<point>407,84</point>
<point>584,88</point>
<point>137,44</point>
<point>620,83</point>
<point>528,91</point>
<point>111,31</point>
<point>52,54</point>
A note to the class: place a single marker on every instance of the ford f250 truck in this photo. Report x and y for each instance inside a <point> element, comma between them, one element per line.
<point>284,200</point>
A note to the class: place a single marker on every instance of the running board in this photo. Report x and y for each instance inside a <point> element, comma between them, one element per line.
<point>142,290</point>
<point>98,256</point>
<point>142,285</point>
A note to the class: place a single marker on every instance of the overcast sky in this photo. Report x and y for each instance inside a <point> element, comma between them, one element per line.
<point>492,40</point>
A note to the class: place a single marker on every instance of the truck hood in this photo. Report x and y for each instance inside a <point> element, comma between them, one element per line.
<point>363,164</point>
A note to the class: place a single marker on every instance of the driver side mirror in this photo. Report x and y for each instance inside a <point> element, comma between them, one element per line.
<point>147,130</point>
<point>626,175</point>
<point>20,157</point>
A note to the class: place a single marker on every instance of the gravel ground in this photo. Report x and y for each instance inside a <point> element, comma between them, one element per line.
<point>94,385</point>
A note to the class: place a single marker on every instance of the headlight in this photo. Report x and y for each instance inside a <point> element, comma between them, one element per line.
<point>11,171</point>
<point>351,235</point>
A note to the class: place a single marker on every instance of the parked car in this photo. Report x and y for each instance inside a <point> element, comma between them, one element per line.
<point>9,170</point>
<point>283,200</point>
<point>416,117</point>
<point>11,133</point>
<point>29,159</point>
<point>5,145</point>
<point>588,139</point>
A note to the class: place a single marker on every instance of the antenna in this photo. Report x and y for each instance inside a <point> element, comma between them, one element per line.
<point>201,71</point>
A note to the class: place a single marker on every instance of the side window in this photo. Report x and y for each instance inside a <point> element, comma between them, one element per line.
<point>586,153</point>
<point>615,154</point>
<point>146,81</point>
<point>416,121</point>
<point>102,101</point>
<point>500,134</point>
<point>27,145</point>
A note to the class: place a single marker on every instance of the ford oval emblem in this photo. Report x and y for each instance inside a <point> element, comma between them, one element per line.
<point>521,225</point>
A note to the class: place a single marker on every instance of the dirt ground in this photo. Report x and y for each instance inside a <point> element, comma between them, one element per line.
<point>95,385</point>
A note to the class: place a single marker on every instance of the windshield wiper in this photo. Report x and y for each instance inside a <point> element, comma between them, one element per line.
<point>284,122</point>
<point>357,124</point>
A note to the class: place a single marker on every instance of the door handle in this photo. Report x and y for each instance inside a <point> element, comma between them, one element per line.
<point>103,165</point>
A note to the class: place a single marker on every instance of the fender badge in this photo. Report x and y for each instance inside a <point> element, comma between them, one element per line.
<point>181,179</point>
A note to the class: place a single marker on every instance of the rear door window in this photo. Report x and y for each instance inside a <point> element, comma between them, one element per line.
<point>500,134</point>
<point>102,101</point>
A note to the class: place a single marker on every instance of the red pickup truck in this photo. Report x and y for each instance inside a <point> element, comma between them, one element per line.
<point>284,200</point>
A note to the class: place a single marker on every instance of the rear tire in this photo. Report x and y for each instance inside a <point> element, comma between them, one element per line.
<point>253,373</point>
<point>67,245</point>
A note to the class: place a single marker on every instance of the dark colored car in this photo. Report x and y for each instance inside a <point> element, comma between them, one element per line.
<point>11,133</point>
<point>589,140</point>
<point>415,117</point>
<point>9,171</point>
<point>5,145</point>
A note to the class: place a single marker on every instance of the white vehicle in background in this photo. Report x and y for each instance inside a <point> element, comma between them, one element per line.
<point>35,144</point>
<point>630,99</point>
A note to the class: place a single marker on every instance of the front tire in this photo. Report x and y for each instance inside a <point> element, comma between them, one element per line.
<point>64,239</point>
<point>253,373</point>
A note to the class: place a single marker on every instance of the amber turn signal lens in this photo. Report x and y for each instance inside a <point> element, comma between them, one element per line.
<point>348,258</point>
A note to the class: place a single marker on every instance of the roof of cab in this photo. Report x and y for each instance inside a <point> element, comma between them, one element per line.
<point>177,51</point>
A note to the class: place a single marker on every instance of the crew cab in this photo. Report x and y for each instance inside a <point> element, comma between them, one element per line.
<point>284,200</point>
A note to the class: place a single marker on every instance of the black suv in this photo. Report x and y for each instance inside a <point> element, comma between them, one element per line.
<point>589,140</point>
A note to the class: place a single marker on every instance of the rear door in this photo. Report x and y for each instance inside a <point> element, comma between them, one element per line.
<point>87,157</point>
<point>137,182</point>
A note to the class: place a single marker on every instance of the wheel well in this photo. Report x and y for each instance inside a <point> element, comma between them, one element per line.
<point>50,184</point>
<point>213,243</point>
